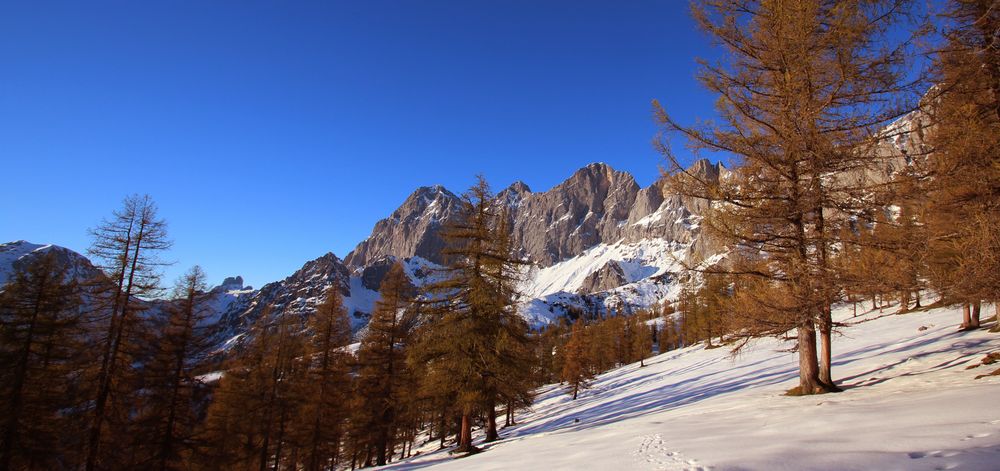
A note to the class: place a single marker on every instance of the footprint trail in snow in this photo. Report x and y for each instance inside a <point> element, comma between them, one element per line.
<point>652,452</point>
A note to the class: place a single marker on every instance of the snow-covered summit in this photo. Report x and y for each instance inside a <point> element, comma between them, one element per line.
<point>13,255</point>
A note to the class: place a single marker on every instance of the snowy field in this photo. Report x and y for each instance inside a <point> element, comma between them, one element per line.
<point>909,404</point>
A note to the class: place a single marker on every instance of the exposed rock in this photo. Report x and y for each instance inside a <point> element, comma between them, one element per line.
<point>590,207</point>
<point>413,229</point>
<point>232,283</point>
<point>514,194</point>
<point>608,277</point>
<point>298,295</point>
<point>373,274</point>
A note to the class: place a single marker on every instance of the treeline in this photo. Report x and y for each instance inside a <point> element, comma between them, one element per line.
<point>823,205</point>
<point>104,373</point>
<point>573,352</point>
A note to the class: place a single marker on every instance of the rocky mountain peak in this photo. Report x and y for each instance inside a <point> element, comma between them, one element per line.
<point>595,204</point>
<point>232,283</point>
<point>706,170</point>
<point>411,230</point>
<point>514,194</point>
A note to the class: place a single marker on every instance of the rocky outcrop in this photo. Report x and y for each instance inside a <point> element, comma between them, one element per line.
<point>373,274</point>
<point>597,204</point>
<point>298,295</point>
<point>232,283</point>
<point>608,277</point>
<point>589,208</point>
<point>412,230</point>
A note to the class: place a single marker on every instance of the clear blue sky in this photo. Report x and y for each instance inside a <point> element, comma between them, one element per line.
<point>270,133</point>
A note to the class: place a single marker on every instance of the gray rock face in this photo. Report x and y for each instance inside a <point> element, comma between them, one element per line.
<point>299,294</point>
<point>597,204</point>
<point>590,207</point>
<point>232,283</point>
<point>373,274</point>
<point>608,277</point>
<point>412,230</point>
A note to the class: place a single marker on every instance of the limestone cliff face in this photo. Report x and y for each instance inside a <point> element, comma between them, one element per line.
<point>596,205</point>
<point>608,277</point>
<point>590,207</point>
<point>412,230</point>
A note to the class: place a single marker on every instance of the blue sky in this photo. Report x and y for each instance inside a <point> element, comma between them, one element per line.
<point>270,133</point>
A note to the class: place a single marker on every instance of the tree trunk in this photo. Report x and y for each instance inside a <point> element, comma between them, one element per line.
<point>491,422</point>
<point>916,296</point>
<point>826,350</point>
<point>996,316</point>
<point>904,301</point>
<point>280,441</point>
<point>809,382</point>
<point>380,449</point>
<point>444,427</point>
<point>465,434</point>
<point>966,317</point>
<point>977,308</point>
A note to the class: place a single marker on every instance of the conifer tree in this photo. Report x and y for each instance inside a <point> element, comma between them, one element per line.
<point>475,344</point>
<point>964,174</point>
<point>804,87</point>
<point>550,340</point>
<point>322,421</point>
<point>172,389</point>
<point>382,371</point>
<point>248,422</point>
<point>40,345</point>
<point>576,372</point>
<point>127,248</point>
<point>642,339</point>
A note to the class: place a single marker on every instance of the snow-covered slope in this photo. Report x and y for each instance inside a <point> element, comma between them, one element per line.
<point>13,255</point>
<point>909,404</point>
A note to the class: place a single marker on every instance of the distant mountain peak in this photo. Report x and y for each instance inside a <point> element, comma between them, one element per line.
<point>13,255</point>
<point>232,283</point>
<point>518,187</point>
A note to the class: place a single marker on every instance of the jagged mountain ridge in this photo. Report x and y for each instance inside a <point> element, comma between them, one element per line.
<point>597,204</point>
<point>588,239</point>
<point>597,243</point>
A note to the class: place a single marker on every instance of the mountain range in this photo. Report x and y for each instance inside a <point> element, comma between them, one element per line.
<point>596,243</point>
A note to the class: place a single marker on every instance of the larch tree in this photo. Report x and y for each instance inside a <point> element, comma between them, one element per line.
<point>642,339</point>
<point>172,389</point>
<point>803,87</point>
<point>576,370</point>
<point>475,345</point>
<point>324,413</point>
<point>40,344</point>
<point>964,174</point>
<point>382,369</point>
<point>126,247</point>
<point>247,425</point>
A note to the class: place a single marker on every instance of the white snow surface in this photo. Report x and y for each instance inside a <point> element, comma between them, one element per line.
<point>638,261</point>
<point>910,403</point>
<point>361,299</point>
<point>643,263</point>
